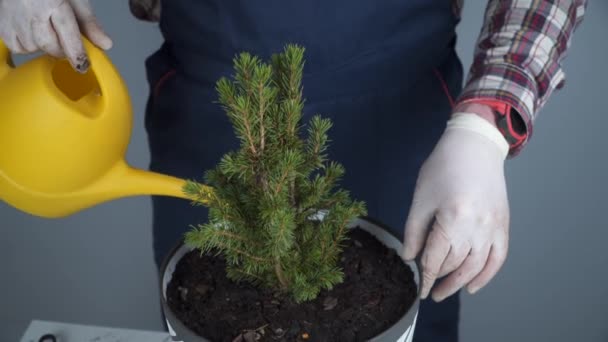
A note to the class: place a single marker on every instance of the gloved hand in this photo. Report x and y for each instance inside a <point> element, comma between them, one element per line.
<point>459,219</point>
<point>53,26</point>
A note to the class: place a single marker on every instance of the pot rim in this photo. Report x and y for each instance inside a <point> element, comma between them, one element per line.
<point>410,316</point>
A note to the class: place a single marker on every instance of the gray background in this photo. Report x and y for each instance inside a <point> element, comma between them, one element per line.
<point>96,267</point>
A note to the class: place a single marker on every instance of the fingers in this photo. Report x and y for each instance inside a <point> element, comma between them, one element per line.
<point>66,27</point>
<point>14,45</point>
<point>454,259</point>
<point>470,268</point>
<point>416,228</point>
<point>25,41</point>
<point>46,38</point>
<point>497,257</point>
<point>18,38</point>
<point>89,25</point>
<point>52,27</point>
<point>435,252</point>
<point>95,33</point>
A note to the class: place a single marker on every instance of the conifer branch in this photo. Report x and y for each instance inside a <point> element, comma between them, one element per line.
<point>281,181</point>
<point>280,275</point>
<point>261,111</point>
<point>248,133</point>
<point>246,274</point>
<point>241,252</point>
<point>233,236</point>
<point>339,235</point>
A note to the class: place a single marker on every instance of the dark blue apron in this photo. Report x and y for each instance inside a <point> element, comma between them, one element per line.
<point>384,71</point>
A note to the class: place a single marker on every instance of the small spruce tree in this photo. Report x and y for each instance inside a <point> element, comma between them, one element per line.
<point>263,212</point>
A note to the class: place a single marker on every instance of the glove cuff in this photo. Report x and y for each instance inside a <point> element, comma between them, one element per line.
<point>475,123</point>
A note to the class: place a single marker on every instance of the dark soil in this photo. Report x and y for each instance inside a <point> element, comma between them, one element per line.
<point>378,290</point>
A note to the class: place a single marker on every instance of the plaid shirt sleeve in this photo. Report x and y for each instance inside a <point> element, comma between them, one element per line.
<point>518,56</point>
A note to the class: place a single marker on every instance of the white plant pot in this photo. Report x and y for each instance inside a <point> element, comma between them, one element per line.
<point>401,331</point>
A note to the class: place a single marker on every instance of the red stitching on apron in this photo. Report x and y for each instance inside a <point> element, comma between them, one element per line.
<point>162,80</point>
<point>444,85</point>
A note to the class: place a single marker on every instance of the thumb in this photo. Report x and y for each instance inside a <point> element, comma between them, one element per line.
<point>416,229</point>
<point>95,33</point>
<point>89,25</point>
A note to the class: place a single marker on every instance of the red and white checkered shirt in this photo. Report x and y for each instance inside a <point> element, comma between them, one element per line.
<point>518,56</point>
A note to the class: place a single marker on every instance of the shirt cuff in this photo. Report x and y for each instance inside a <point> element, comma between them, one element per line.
<point>505,83</point>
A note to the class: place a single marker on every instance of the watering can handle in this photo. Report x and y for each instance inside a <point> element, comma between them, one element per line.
<point>114,91</point>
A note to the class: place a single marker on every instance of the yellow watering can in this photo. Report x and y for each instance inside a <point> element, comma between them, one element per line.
<point>64,135</point>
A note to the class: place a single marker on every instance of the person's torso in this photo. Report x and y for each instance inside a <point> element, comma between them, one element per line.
<point>335,33</point>
<point>367,61</point>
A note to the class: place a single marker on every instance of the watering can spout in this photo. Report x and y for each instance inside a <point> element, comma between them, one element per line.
<point>124,181</point>
<point>120,182</point>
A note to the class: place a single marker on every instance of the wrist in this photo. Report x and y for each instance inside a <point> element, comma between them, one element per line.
<point>482,110</point>
<point>473,122</point>
<point>499,114</point>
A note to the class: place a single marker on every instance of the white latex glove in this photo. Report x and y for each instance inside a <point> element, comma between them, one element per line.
<point>53,26</point>
<point>459,219</point>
